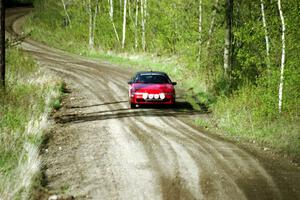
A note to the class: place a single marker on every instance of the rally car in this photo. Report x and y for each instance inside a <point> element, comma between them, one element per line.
<point>151,88</point>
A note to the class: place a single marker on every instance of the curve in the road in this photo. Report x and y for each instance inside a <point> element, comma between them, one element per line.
<point>112,152</point>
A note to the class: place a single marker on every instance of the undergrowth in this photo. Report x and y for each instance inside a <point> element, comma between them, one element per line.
<point>25,105</point>
<point>249,113</point>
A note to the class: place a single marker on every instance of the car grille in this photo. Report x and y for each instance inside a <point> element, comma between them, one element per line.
<point>153,100</point>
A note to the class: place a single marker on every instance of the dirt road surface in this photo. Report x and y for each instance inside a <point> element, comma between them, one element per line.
<point>101,149</point>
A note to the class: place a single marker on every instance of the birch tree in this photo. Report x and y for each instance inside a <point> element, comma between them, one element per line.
<point>129,9</point>
<point>266,32</point>
<point>2,44</point>
<point>282,57</point>
<point>200,30</point>
<point>91,36</point>
<point>209,69</point>
<point>92,21</point>
<point>66,12</point>
<point>212,23</point>
<point>228,38</point>
<point>111,16</point>
<point>144,15</point>
<point>136,24</point>
<point>120,5</point>
<point>124,24</point>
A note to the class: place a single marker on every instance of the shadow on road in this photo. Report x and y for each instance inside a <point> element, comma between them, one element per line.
<point>95,105</point>
<point>180,109</point>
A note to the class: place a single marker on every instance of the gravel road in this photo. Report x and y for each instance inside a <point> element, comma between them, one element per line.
<point>101,149</point>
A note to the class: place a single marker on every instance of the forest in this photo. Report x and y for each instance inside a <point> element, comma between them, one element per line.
<point>240,58</point>
<point>236,61</point>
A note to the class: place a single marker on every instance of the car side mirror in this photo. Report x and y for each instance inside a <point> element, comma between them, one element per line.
<point>174,83</point>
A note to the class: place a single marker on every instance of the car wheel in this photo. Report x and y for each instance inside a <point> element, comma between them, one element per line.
<point>173,105</point>
<point>132,106</point>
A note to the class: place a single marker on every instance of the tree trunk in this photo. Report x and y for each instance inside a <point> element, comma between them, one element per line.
<point>136,24</point>
<point>111,15</point>
<point>120,2</point>
<point>228,38</point>
<point>91,36</point>
<point>200,30</point>
<point>124,24</point>
<point>129,9</point>
<point>144,14</point>
<point>266,33</point>
<point>2,43</point>
<point>66,12</point>
<point>92,22</point>
<point>95,19</point>
<point>209,69</point>
<point>282,57</point>
<point>212,23</point>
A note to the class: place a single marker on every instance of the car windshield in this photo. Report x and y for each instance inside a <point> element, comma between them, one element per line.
<point>151,78</point>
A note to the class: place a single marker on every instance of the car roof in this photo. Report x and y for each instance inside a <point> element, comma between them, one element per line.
<point>151,73</point>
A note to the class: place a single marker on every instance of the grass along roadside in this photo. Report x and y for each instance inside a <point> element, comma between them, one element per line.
<point>25,106</point>
<point>248,115</point>
<point>280,137</point>
<point>243,117</point>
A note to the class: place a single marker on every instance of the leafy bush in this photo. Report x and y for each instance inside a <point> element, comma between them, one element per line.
<point>252,112</point>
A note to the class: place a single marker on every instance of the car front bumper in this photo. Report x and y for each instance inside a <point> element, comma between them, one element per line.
<point>138,98</point>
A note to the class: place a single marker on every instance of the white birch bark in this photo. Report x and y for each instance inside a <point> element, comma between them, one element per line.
<point>228,37</point>
<point>124,24</point>
<point>66,12</point>
<point>144,14</point>
<point>200,29</point>
<point>145,22</point>
<point>266,32</point>
<point>212,23</point>
<point>129,9</point>
<point>136,24</point>
<point>111,16</point>
<point>92,22</point>
<point>120,4</point>
<point>95,18</point>
<point>91,37</point>
<point>209,70</point>
<point>282,58</point>
<point>226,53</point>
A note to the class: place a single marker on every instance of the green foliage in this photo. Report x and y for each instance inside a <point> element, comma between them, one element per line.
<point>246,100</point>
<point>62,89</point>
<point>20,66</point>
<point>57,104</point>
<point>14,115</point>
<point>251,113</point>
<point>23,102</point>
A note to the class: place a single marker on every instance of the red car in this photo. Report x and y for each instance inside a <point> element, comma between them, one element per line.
<point>151,88</point>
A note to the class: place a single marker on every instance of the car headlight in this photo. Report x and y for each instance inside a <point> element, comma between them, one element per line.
<point>145,95</point>
<point>162,96</point>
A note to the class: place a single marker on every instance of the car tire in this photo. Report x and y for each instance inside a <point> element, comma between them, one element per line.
<point>132,106</point>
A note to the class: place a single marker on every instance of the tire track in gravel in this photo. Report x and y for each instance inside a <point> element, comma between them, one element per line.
<point>173,144</point>
<point>100,149</point>
<point>243,166</point>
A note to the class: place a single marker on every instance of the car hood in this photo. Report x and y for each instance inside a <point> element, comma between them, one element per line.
<point>155,88</point>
